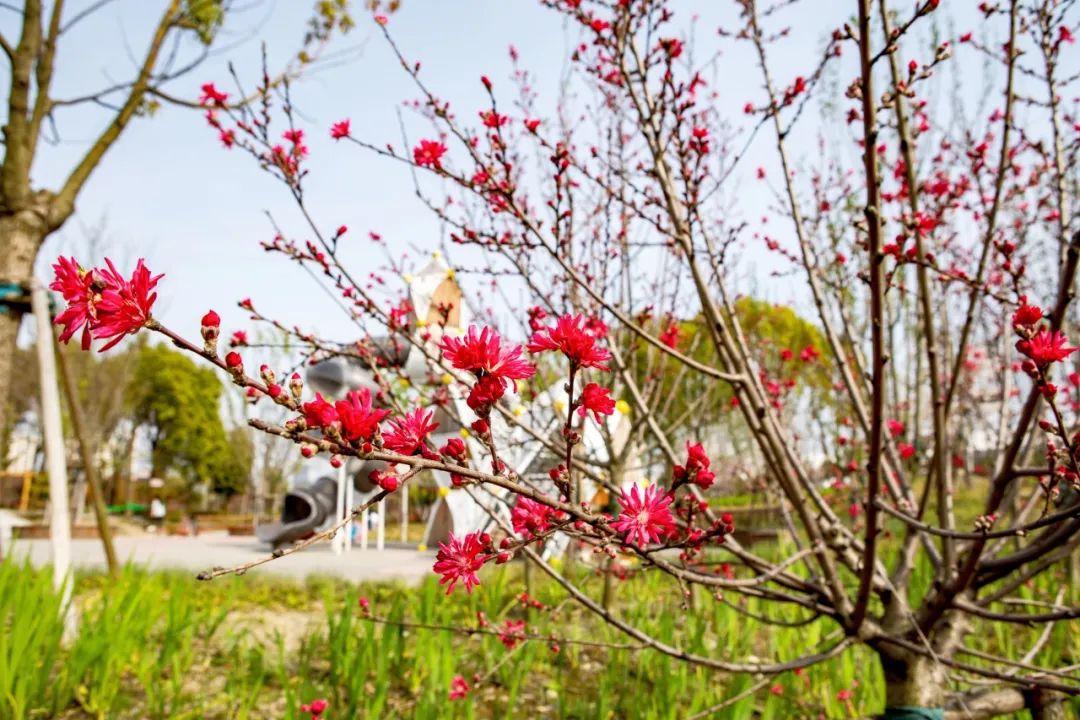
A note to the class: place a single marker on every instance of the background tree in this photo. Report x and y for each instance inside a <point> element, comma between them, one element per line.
<point>35,55</point>
<point>178,404</point>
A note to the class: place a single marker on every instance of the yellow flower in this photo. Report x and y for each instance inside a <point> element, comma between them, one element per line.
<point>559,406</point>
<point>447,378</point>
<point>407,278</point>
<point>421,322</point>
<point>404,382</point>
<point>519,411</point>
<point>450,273</point>
<point>444,491</point>
<point>421,547</point>
<point>436,253</point>
<point>464,432</point>
<point>623,407</point>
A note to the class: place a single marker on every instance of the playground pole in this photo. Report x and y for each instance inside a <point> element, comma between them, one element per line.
<point>380,534</point>
<point>338,544</point>
<point>349,503</point>
<point>405,513</point>
<point>55,463</point>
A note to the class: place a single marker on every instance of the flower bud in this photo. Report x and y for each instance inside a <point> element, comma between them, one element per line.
<point>266,374</point>
<point>234,363</point>
<point>211,328</point>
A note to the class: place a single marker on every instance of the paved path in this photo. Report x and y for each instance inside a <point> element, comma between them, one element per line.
<point>212,549</point>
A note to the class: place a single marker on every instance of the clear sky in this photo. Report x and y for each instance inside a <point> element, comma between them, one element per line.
<point>171,194</point>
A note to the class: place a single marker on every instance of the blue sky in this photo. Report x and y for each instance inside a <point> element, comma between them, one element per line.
<point>196,212</point>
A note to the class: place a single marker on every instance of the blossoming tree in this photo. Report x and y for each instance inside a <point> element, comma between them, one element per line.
<point>941,266</point>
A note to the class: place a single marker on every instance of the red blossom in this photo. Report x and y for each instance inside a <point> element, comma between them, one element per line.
<point>644,518</point>
<point>77,287</point>
<point>359,420</point>
<point>124,306</point>
<point>429,154</point>
<point>493,119</point>
<point>481,352</point>
<point>459,559</point>
<point>1027,316</point>
<point>529,517</point>
<point>513,632</point>
<point>697,465</point>
<point>319,413</point>
<point>406,434</point>
<point>487,391</point>
<point>670,337</point>
<point>459,689</point>
<point>340,129</point>
<point>212,96</point>
<point>595,399</point>
<point>569,336</point>
<point>1046,347</point>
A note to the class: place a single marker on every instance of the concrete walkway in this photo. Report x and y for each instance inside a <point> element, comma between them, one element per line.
<point>214,549</point>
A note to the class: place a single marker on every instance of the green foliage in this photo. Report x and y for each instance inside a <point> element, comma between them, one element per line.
<point>204,17</point>
<point>163,645</point>
<point>683,397</point>
<point>180,402</point>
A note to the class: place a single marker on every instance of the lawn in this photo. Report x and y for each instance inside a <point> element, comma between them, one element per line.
<point>163,645</point>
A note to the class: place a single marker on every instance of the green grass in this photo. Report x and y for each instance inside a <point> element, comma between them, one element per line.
<point>162,645</point>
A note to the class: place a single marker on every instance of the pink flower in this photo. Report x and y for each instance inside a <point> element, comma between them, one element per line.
<point>124,306</point>
<point>406,434</point>
<point>238,339</point>
<point>809,354</point>
<point>429,154</point>
<point>319,413</point>
<point>896,428</point>
<point>569,336</point>
<point>595,399</point>
<point>530,517</point>
<point>644,518</point>
<point>906,451</point>
<point>459,559</point>
<point>481,352</point>
<point>459,689</point>
<point>77,287</point>
<point>359,420</point>
<point>1046,347</point>
<point>340,129</point>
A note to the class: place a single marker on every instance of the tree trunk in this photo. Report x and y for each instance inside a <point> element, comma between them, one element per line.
<point>912,681</point>
<point>21,235</point>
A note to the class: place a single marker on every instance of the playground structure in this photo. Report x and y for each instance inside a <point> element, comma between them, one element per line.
<point>322,502</point>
